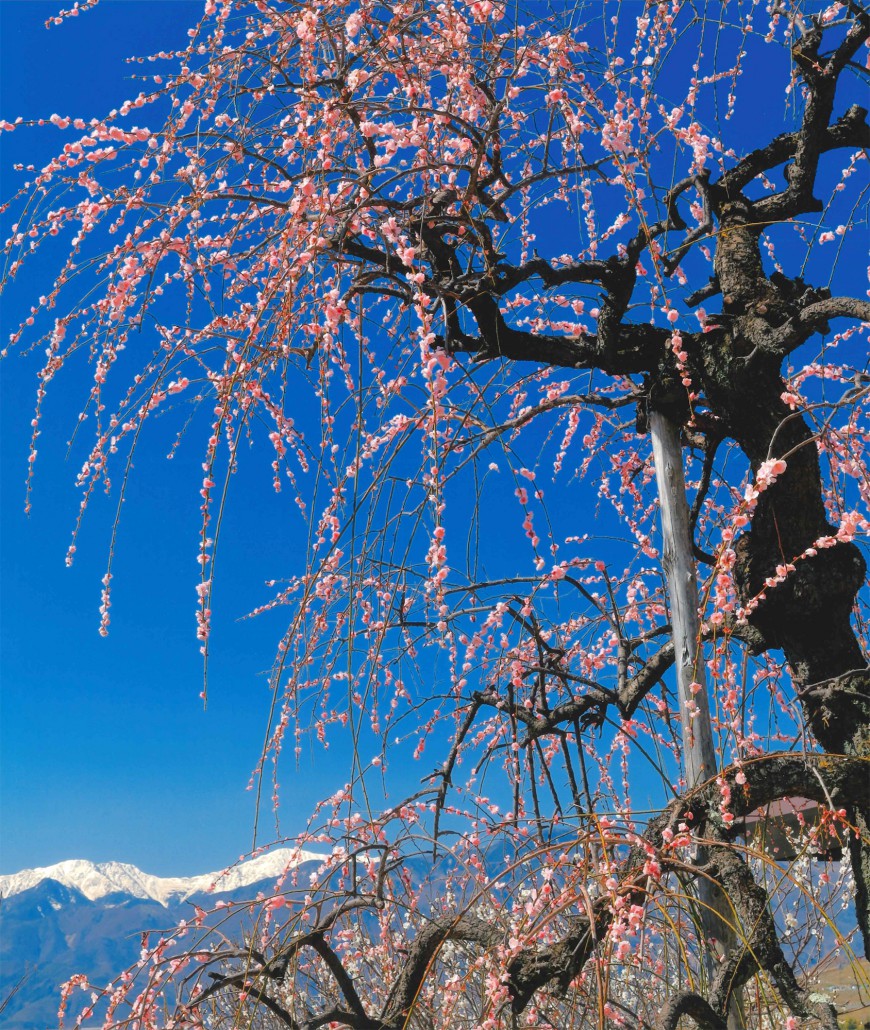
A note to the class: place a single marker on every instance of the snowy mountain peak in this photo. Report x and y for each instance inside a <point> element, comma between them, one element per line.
<point>97,879</point>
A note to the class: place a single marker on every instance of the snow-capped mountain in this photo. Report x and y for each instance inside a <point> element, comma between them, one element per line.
<point>98,879</point>
<point>88,917</point>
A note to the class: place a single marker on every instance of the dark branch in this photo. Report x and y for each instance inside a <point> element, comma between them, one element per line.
<point>423,952</point>
<point>318,943</point>
<point>767,779</point>
<point>851,130</point>
<point>638,348</point>
<point>597,698</point>
<point>817,314</point>
<point>693,1005</point>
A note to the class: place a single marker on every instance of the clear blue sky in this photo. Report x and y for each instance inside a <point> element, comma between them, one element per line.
<point>107,753</point>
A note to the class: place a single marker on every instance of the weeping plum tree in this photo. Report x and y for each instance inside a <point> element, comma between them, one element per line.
<point>439,265</point>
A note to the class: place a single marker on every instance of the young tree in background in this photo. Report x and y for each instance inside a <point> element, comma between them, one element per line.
<point>446,261</point>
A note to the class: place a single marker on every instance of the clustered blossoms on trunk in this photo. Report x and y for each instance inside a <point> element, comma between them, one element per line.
<point>440,262</point>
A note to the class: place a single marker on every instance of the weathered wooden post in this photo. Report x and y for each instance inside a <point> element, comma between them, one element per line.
<point>699,755</point>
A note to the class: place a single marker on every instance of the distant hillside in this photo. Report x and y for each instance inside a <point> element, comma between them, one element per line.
<point>83,917</point>
<point>847,982</point>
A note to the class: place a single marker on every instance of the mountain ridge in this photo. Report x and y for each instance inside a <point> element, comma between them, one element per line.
<point>96,880</point>
<point>87,917</point>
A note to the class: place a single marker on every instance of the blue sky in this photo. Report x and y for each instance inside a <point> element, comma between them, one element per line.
<point>107,753</point>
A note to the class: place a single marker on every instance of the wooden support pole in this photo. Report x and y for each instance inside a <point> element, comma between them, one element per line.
<point>699,755</point>
<point>678,562</point>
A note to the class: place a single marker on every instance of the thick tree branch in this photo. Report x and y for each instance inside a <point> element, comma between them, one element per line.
<point>758,944</point>
<point>423,951</point>
<point>507,277</point>
<point>816,315</point>
<point>687,1003</point>
<point>240,981</point>
<point>637,349</point>
<point>850,130</point>
<point>318,943</point>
